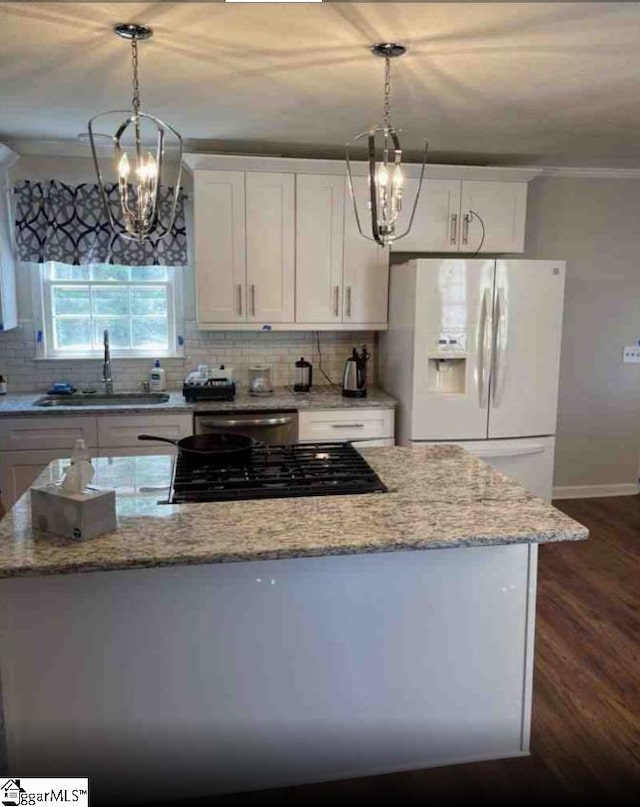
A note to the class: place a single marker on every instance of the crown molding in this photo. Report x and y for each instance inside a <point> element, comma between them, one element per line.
<point>584,172</point>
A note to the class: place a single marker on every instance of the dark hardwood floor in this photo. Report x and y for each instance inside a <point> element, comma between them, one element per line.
<point>586,706</point>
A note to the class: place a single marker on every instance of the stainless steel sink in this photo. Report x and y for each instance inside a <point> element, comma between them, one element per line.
<point>95,399</point>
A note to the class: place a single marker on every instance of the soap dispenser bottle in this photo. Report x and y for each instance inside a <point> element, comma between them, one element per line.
<point>157,378</point>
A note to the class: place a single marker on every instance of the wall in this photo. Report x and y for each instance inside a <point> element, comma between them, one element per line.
<point>240,350</point>
<point>593,225</point>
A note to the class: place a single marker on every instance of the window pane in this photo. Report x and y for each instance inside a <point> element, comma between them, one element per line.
<point>63,271</point>
<point>142,273</point>
<point>106,272</point>
<point>119,332</point>
<point>114,302</point>
<point>72,334</point>
<point>151,332</point>
<point>70,301</point>
<point>149,302</point>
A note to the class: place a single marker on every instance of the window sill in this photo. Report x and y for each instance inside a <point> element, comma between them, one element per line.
<point>114,357</point>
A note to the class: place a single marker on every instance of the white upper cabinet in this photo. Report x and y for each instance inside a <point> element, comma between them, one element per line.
<point>436,224</point>
<point>220,251</point>
<point>319,247</point>
<point>366,265</point>
<point>244,247</point>
<point>270,236</point>
<point>8,297</point>
<point>502,206</point>
<point>277,242</point>
<point>451,213</point>
<point>341,277</point>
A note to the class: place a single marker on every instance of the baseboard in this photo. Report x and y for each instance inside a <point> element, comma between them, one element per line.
<point>596,491</point>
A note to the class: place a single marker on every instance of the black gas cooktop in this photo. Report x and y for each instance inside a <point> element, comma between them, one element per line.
<point>301,469</point>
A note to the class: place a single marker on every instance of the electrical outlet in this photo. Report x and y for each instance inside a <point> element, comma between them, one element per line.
<point>631,354</point>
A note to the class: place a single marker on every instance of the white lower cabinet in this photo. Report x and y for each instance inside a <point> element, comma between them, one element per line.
<point>28,444</point>
<point>19,470</point>
<point>357,424</point>
<point>121,431</point>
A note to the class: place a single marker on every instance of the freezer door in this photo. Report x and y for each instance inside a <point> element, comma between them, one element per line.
<point>528,462</point>
<point>527,329</point>
<point>452,349</point>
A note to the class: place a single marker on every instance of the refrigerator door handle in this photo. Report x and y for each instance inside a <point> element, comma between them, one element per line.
<point>500,343</point>
<point>485,333</point>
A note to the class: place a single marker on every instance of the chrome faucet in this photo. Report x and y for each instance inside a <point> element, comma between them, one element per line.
<point>106,367</point>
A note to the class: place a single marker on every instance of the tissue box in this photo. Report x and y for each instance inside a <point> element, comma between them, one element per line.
<point>74,515</point>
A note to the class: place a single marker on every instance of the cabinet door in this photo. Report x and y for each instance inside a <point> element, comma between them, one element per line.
<point>19,470</point>
<point>319,246</point>
<point>219,228</point>
<point>52,431</point>
<point>270,229</point>
<point>436,224</point>
<point>366,265</point>
<point>502,207</point>
<point>122,430</point>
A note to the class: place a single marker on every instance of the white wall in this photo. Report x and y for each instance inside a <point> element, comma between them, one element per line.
<point>593,225</point>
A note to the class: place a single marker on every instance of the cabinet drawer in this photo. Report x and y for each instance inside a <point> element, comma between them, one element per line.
<point>345,424</point>
<point>122,431</point>
<point>35,433</point>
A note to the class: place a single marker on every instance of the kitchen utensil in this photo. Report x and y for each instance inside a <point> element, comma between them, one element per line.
<point>260,380</point>
<point>354,380</point>
<point>303,377</point>
<point>212,448</point>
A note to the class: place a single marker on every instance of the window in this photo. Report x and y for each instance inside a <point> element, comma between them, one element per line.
<point>138,305</point>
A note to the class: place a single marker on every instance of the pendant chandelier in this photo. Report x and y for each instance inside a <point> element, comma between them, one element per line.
<point>385,176</point>
<point>130,177</point>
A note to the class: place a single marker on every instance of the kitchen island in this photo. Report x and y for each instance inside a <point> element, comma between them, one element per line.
<point>227,646</point>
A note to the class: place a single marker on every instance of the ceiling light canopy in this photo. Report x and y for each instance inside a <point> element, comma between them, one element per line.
<point>385,175</point>
<point>136,167</point>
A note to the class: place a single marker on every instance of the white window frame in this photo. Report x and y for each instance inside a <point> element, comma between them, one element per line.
<point>43,318</point>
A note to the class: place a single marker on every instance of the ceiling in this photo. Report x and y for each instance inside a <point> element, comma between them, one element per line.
<point>500,83</point>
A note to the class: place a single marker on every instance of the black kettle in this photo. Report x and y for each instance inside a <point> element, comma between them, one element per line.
<point>354,380</point>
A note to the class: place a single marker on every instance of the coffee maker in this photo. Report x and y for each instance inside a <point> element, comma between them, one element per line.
<point>354,380</point>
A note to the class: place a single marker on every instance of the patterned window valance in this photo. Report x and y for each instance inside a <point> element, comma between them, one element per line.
<point>65,223</point>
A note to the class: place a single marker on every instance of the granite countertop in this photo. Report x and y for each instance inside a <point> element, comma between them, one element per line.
<point>439,496</point>
<point>321,397</point>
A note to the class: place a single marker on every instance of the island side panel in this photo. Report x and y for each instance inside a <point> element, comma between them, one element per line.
<point>193,680</point>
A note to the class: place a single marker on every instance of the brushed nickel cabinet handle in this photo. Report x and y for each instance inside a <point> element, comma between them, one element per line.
<point>465,228</point>
<point>453,239</point>
<point>336,300</point>
<point>239,299</point>
<point>347,425</point>
<point>348,301</point>
<point>253,300</point>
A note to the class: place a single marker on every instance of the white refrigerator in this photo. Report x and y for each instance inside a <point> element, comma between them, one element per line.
<point>472,355</point>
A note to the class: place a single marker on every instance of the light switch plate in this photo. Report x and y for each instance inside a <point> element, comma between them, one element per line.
<point>631,354</point>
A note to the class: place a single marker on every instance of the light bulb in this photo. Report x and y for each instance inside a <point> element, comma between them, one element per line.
<point>383,176</point>
<point>123,166</point>
<point>398,179</point>
<point>148,169</point>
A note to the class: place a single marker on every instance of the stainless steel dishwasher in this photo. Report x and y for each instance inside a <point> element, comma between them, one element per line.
<point>270,428</point>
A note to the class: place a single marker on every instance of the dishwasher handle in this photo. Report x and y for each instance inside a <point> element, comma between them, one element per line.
<point>231,423</point>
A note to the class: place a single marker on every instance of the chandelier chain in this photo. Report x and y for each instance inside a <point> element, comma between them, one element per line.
<point>136,83</point>
<point>387,92</point>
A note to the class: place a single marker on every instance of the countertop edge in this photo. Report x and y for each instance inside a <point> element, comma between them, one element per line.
<point>292,554</point>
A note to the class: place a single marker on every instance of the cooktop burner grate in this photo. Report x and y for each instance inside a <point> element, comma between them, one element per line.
<point>300,469</point>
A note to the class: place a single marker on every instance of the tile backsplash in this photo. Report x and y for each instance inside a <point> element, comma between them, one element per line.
<point>237,349</point>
